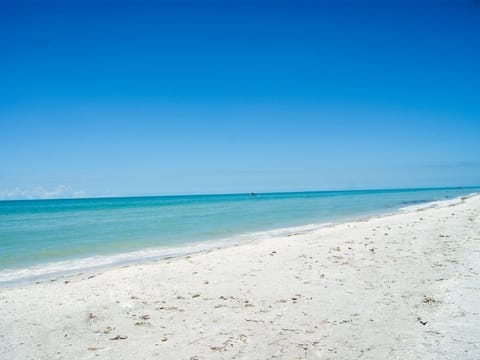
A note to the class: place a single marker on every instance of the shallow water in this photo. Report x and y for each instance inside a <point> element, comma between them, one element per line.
<point>40,237</point>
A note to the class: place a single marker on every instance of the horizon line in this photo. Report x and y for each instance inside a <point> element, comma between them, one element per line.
<point>247,193</point>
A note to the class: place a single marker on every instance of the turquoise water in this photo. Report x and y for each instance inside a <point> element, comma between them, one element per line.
<point>42,237</point>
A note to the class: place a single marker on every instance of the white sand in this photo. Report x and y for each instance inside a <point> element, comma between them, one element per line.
<point>403,286</point>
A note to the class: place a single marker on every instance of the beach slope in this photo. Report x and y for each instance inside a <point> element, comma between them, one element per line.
<point>404,285</point>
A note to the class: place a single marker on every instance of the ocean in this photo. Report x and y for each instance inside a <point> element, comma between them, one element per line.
<point>46,238</point>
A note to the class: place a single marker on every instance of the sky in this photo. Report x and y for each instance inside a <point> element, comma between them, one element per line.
<point>113,98</point>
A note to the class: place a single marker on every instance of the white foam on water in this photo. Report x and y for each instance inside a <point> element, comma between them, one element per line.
<point>70,267</point>
<point>437,203</point>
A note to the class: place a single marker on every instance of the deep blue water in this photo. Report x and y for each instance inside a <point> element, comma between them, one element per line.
<point>39,237</point>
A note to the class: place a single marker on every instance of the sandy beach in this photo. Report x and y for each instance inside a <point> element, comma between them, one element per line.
<point>399,286</point>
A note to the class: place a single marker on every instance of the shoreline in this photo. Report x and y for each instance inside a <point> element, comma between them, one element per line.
<point>54,271</point>
<point>152,255</point>
<point>402,285</point>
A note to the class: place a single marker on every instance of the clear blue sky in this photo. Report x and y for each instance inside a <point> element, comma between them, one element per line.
<point>166,97</point>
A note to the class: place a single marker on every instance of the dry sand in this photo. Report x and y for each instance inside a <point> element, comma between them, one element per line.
<point>401,286</point>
